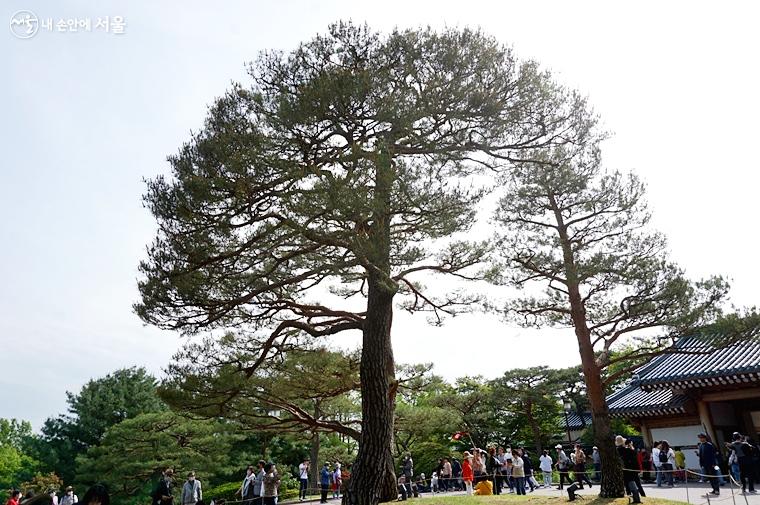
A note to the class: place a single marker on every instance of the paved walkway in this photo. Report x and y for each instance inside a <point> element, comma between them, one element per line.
<point>694,493</point>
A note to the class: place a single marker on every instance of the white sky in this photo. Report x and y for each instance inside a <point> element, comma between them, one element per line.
<point>86,116</point>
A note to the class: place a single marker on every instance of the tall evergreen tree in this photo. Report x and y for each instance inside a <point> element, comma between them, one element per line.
<point>580,232</point>
<point>348,165</point>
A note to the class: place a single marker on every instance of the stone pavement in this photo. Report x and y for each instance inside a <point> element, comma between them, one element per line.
<point>694,493</point>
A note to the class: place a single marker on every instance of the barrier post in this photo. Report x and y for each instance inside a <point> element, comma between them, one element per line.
<point>686,484</point>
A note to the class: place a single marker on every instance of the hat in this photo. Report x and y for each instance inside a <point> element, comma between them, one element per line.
<point>595,448</point>
<point>619,440</point>
<point>327,463</point>
<point>701,435</point>
<point>558,446</point>
<point>467,454</point>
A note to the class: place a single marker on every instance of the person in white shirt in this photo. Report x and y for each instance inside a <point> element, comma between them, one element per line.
<point>303,473</point>
<point>69,498</point>
<point>657,463</point>
<point>545,463</point>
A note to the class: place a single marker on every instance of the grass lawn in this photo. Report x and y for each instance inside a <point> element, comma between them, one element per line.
<point>533,500</point>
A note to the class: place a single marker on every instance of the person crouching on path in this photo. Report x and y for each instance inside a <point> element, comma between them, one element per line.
<point>191,490</point>
<point>467,474</point>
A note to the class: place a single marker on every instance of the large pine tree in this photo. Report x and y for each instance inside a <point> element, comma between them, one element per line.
<point>347,165</point>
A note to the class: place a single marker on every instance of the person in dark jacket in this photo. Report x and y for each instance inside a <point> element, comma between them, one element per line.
<point>324,482</point>
<point>163,494</point>
<point>708,461</point>
<point>743,453</point>
<point>528,467</point>
<point>630,474</point>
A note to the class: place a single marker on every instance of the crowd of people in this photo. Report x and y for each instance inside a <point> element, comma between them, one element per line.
<point>496,470</point>
<point>500,470</point>
<point>664,465</point>
<point>95,495</point>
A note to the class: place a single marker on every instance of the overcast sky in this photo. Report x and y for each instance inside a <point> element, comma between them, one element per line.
<point>87,115</point>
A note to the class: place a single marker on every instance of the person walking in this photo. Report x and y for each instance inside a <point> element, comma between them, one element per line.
<point>680,464</point>
<point>246,488</point>
<point>324,482</point>
<point>596,459</point>
<point>163,494</point>
<point>545,464</point>
<point>456,475</point>
<point>563,467</point>
<point>68,498</point>
<point>646,465</point>
<point>303,478</point>
<point>270,484</point>
<point>708,461</point>
<point>518,471</point>
<point>743,456</point>
<point>446,475</point>
<point>529,474</point>
<point>631,479</point>
<point>657,462</point>
<point>467,474</point>
<point>667,462</point>
<point>258,483</point>
<point>337,480</point>
<point>191,490</point>
<point>580,467</point>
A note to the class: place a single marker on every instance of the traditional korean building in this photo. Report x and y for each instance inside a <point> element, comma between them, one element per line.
<point>697,389</point>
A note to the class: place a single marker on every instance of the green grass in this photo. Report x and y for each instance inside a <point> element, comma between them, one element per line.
<point>535,500</point>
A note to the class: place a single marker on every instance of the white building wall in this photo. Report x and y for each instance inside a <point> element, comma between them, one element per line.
<point>684,437</point>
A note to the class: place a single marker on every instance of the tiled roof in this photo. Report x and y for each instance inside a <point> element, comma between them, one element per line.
<point>575,422</point>
<point>631,399</point>
<point>698,363</point>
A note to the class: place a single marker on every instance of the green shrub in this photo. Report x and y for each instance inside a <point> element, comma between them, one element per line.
<point>226,491</point>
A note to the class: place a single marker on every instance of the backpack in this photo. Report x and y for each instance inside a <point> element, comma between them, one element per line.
<point>663,457</point>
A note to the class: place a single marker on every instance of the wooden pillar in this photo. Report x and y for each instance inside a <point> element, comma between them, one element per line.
<point>706,419</point>
<point>646,434</point>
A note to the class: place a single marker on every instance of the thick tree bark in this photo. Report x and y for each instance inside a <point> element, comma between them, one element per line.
<point>373,479</point>
<point>314,465</point>
<point>612,473</point>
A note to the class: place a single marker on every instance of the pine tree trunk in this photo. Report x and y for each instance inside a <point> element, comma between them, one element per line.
<point>373,478</point>
<point>314,465</point>
<point>612,474</point>
<point>612,470</point>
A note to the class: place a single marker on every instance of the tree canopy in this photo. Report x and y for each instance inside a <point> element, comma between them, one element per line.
<point>348,167</point>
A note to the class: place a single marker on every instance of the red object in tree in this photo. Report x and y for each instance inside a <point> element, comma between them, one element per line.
<point>458,435</point>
